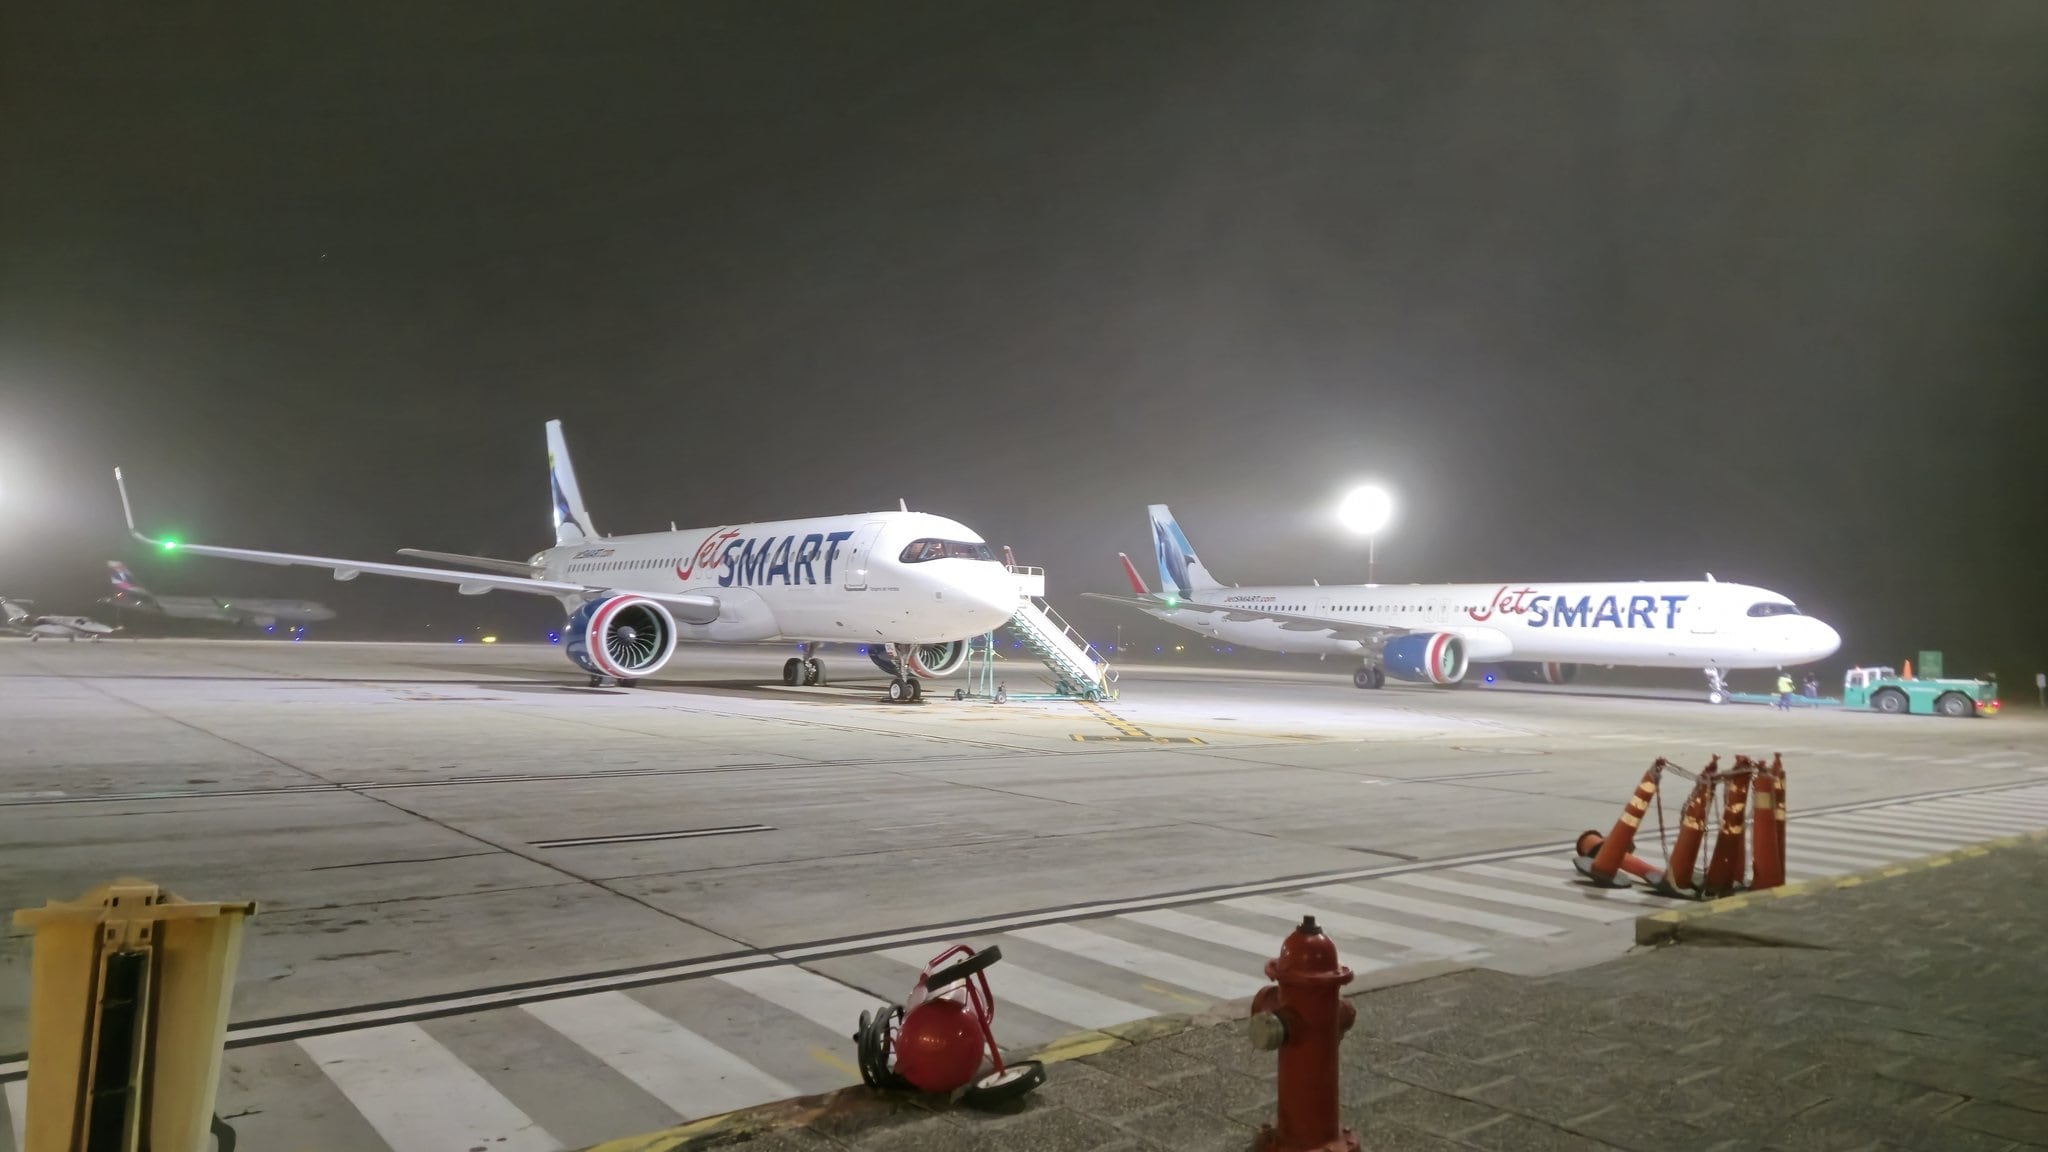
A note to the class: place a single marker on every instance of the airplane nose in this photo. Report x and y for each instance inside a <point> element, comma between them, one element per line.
<point>992,598</point>
<point>1826,641</point>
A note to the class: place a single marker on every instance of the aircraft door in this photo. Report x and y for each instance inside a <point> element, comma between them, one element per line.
<point>857,553</point>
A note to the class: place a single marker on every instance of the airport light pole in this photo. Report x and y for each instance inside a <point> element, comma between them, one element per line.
<point>1367,510</point>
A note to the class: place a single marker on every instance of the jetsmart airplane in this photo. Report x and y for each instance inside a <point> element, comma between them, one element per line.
<point>248,610</point>
<point>1431,633</point>
<point>22,622</point>
<point>911,587</point>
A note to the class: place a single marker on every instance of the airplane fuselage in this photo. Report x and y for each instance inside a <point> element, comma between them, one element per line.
<point>833,578</point>
<point>1675,624</point>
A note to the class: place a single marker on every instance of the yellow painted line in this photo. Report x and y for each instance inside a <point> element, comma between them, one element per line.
<point>1076,1045</point>
<point>834,1061</point>
<point>1170,994</point>
<point>1663,927</point>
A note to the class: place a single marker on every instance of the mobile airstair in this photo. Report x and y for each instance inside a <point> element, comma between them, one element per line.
<point>1079,672</point>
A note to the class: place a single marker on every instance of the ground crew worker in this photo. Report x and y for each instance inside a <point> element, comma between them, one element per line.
<point>1784,690</point>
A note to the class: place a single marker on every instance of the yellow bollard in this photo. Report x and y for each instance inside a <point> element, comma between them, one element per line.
<point>129,988</point>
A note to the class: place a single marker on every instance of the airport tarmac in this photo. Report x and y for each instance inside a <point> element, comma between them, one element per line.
<point>502,909</point>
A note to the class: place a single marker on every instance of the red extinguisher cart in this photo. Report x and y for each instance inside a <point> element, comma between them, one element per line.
<point>935,1040</point>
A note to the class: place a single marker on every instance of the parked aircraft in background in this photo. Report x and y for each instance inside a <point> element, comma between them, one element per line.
<point>21,622</point>
<point>250,611</point>
<point>1432,633</point>
<point>912,587</point>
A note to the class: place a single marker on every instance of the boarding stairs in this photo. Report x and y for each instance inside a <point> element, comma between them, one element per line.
<point>1079,672</point>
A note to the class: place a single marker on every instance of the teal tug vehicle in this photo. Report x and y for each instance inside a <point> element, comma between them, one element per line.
<point>1882,690</point>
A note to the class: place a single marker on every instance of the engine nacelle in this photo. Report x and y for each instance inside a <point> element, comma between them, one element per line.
<point>1425,658</point>
<point>624,637</point>
<point>1550,673</point>
<point>926,660</point>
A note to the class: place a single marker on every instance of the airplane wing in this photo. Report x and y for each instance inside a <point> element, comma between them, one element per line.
<point>693,608</point>
<point>1362,631</point>
<point>487,563</point>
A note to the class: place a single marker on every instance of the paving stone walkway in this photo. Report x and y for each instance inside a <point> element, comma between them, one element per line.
<point>1900,1011</point>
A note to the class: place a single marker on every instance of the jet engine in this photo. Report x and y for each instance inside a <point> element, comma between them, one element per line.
<point>926,660</point>
<point>1550,673</point>
<point>1425,658</point>
<point>623,637</point>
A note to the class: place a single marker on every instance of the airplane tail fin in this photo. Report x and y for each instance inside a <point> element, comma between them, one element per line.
<point>1179,570</point>
<point>125,587</point>
<point>15,612</point>
<point>572,520</point>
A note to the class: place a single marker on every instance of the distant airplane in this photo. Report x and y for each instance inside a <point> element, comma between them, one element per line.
<point>914,588</point>
<point>21,622</point>
<point>243,610</point>
<point>1430,633</point>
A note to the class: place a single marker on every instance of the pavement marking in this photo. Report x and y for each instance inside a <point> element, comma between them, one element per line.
<point>17,1112</point>
<point>1878,844</point>
<point>1968,823</point>
<point>1207,979</point>
<point>1581,909</point>
<point>835,1062</point>
<point>673,1064</point>
<point>1900,828</point>
<point>1127,732</point>
<point>2019,805</point>
<point>1048,996</point>
<point>1802,849</point>
<point>419,1096</point>
<point>1436,910</point>
<point>1555,876</point>
<point>824,1002</point>
<point>1665,927</point>
<point>1537,858</point>
<point>645,837</point>
<point>1344,924</point>
<point>1266,944</point>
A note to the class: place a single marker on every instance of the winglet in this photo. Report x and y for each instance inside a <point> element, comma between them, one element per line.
<point>128,510</point>
<point>1137,582</point>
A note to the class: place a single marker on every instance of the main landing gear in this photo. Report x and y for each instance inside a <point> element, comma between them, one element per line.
<point>905,688</point>
<point>597,681</point>
<point>806,671</point>
<point>1370,676</point>
<point>1717,687</point>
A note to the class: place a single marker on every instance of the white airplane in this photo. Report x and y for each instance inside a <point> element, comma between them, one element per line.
<point>22,622</point>
<point>912,587</point>
<point>246,610</point>
<point>1432,633</point>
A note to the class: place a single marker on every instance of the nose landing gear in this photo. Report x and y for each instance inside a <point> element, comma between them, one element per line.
<point>905,688</point>
<point>1717,687</point>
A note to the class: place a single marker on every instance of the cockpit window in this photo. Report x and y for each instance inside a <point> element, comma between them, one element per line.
<point>918,551</point>
<point>1770,609</point>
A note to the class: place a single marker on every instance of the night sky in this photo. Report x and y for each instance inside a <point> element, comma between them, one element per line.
<point>1603,290</point>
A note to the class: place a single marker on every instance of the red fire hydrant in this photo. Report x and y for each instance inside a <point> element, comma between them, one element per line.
<point>1303,1016</point>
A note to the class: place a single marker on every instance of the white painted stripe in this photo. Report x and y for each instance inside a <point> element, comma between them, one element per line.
<point>1976,826</point>
<point>1887,834</point>
<point>673,1064</point>
<point>1151,963</point>
<point>1340,924</point>
<point>826,1003</point>
<point>1265,944</point>
<point>419,1096</point>
<point>2035,814</point>
<point>17,1112</point>
<point>1552,876</point>
<point>1847,844</point>
<point>1045,995</point>
<point>1581,909</point>
<point>2018,800</point>
<point>1899,828</point>
<point>1437,910</point>
<point>1819,849</point>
